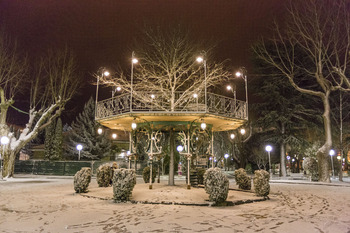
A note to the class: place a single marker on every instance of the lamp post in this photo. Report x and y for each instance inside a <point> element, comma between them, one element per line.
<point>131,141</point>
<point>4,141</point>
<point>230,88</point>
<point>103,73</point>
<point>180,149</point>
<point>232,136</point>
<point>268,148</point>
<point>201,59</point>
<point>151,163</point>
<point>242,73</point>
<point>133,61</point>
<point>332,153</point>
<point>226,156</point>
<point>79,148</point>
<point>128,153</point>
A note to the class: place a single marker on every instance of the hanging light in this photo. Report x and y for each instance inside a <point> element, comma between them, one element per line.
<point>232,136</point>
<point>203,126</point>
<point>195,95</point>
<point>242,131</point>
<point>133,125</point>
<point>114,136</point>
<point>99,131</point>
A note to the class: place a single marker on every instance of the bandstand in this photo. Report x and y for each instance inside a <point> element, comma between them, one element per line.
<point>147,119</point>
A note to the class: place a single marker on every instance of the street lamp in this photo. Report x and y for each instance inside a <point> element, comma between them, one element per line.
<point>117,89</point>
<point>226,156</point>
<point>188,155</point>
<point>103,73</point>
<point>4,141</point>
<point>79,148</point>
<point>242,73</point>
<point>268,148</point>
<point>133,61</point>
<point>332,153</point>
<point>128,153</point>
<point>201,59</point>
<point>230,88</point>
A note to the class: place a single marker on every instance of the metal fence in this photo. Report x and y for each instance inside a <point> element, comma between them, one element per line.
<point>58,168</point>
<point>215,104</point>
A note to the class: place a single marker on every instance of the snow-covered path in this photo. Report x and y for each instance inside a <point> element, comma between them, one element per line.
<point>50,205</point>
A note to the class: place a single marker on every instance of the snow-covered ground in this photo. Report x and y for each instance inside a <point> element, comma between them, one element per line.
<point>49,204</point>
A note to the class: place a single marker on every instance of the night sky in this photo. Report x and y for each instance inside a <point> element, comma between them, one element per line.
<point>102,32</point>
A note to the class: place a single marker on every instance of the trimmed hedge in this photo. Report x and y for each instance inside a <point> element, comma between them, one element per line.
<point>82,180</point>
<point>124,181</point>
<point>216,184</point>
<point>242,179</point>
<point>261,183</point>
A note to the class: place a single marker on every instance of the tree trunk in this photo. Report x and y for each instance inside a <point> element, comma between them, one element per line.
<point>283,171</point>
<point>323,152</point>
<point>9,163</point>
<point>341,135</point>
<point>341,165</point>
<point>171,164</point>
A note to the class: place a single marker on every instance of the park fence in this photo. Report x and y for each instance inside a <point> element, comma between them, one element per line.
<point>61,168</point>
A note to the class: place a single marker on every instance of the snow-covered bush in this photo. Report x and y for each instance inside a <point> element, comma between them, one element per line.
<point>114,165</point>
<point>216,185</point>
<point>146,174</point>
<point>200,175</point>
<point>82,180</point>
<point>124,181</point>
<point>310,166</point>
<point>104,175</point>
<point>261,183</point>
<point>242,179</point>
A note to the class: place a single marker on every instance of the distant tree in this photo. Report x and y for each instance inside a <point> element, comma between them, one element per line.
<point>58,140</point>
<point>84,132</point>
<point>283,111</point>
<point>52,83</point>
<point>49,140</point>
<point>312,48</point>
<point>54,140</point>
<point>340,102</point>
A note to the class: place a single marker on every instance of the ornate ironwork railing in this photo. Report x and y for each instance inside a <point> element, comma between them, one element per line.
<point>216,104</point>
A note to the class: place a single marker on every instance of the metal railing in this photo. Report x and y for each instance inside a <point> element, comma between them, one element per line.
<point>216,104</point>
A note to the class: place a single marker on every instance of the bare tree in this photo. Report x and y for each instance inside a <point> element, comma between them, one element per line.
<point>312,48</point>
<point>53,85</point>
<point>168,69</point>
<point>168,75</point>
